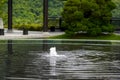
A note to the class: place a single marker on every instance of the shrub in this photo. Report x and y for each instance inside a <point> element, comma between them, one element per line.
<point>88,16</point>
<point>32,27</point>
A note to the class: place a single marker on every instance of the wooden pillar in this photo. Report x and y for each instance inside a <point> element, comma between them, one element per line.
<point>9,15</point>
<point>45,15</point>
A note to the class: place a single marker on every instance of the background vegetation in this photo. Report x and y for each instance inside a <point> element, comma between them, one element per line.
<point>116,11</point>
<point>29,13</point>
<point>92,17</point>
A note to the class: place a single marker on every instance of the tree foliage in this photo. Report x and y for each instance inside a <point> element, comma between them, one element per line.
<point>1,4</point>
<point>91,16</point>
<point>116,11</point>
<point>29,11</point>
<point>2,10</point>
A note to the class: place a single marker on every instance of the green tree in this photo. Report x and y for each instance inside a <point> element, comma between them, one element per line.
<point>1,5</point>
<point>116,11</point>
<point>55,7</point>
<point>27,12</point>
<point>90,16</point>
<point>31,11</point>
<point>2,10</point>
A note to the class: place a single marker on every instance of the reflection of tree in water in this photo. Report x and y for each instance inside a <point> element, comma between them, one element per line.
<point>23,64</point>
<point>15,64</point>
<point>110,55</point>
<point>45,46</point>
<point>2,68</point>
<point>5,60</point>
<point>17,58</point>
<point>38,67</point>
<point>10,47</point>
<point>116,50</point>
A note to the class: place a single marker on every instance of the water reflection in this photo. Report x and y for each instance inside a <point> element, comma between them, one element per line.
<point>10,47</point>
<point>83,62</point>
<point>8,65</point>
<point>53,61</point>
<point>45,46</point>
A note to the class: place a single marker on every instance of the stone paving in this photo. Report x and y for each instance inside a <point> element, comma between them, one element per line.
<point>18,34</point>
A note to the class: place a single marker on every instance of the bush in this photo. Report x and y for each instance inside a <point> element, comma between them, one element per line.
<point>32,27</point>
<point>88,16</point>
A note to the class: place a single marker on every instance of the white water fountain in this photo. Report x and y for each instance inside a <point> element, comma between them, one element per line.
<point>53,56</point>
<point>53,51</point>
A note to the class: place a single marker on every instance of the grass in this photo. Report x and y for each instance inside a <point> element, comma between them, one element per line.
<point>84,36</point>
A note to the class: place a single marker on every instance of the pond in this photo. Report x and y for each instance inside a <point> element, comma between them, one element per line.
<point>83,60</point>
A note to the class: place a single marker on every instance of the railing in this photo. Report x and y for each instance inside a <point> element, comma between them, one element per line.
<point>116,23</point>
<point>58,20</point>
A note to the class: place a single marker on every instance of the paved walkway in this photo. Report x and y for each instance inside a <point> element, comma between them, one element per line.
<point>18,34</point>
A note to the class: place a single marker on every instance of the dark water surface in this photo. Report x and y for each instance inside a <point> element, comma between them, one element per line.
<point>83,60</point>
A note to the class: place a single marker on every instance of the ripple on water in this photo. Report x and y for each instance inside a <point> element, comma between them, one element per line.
<point>75,64</point>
